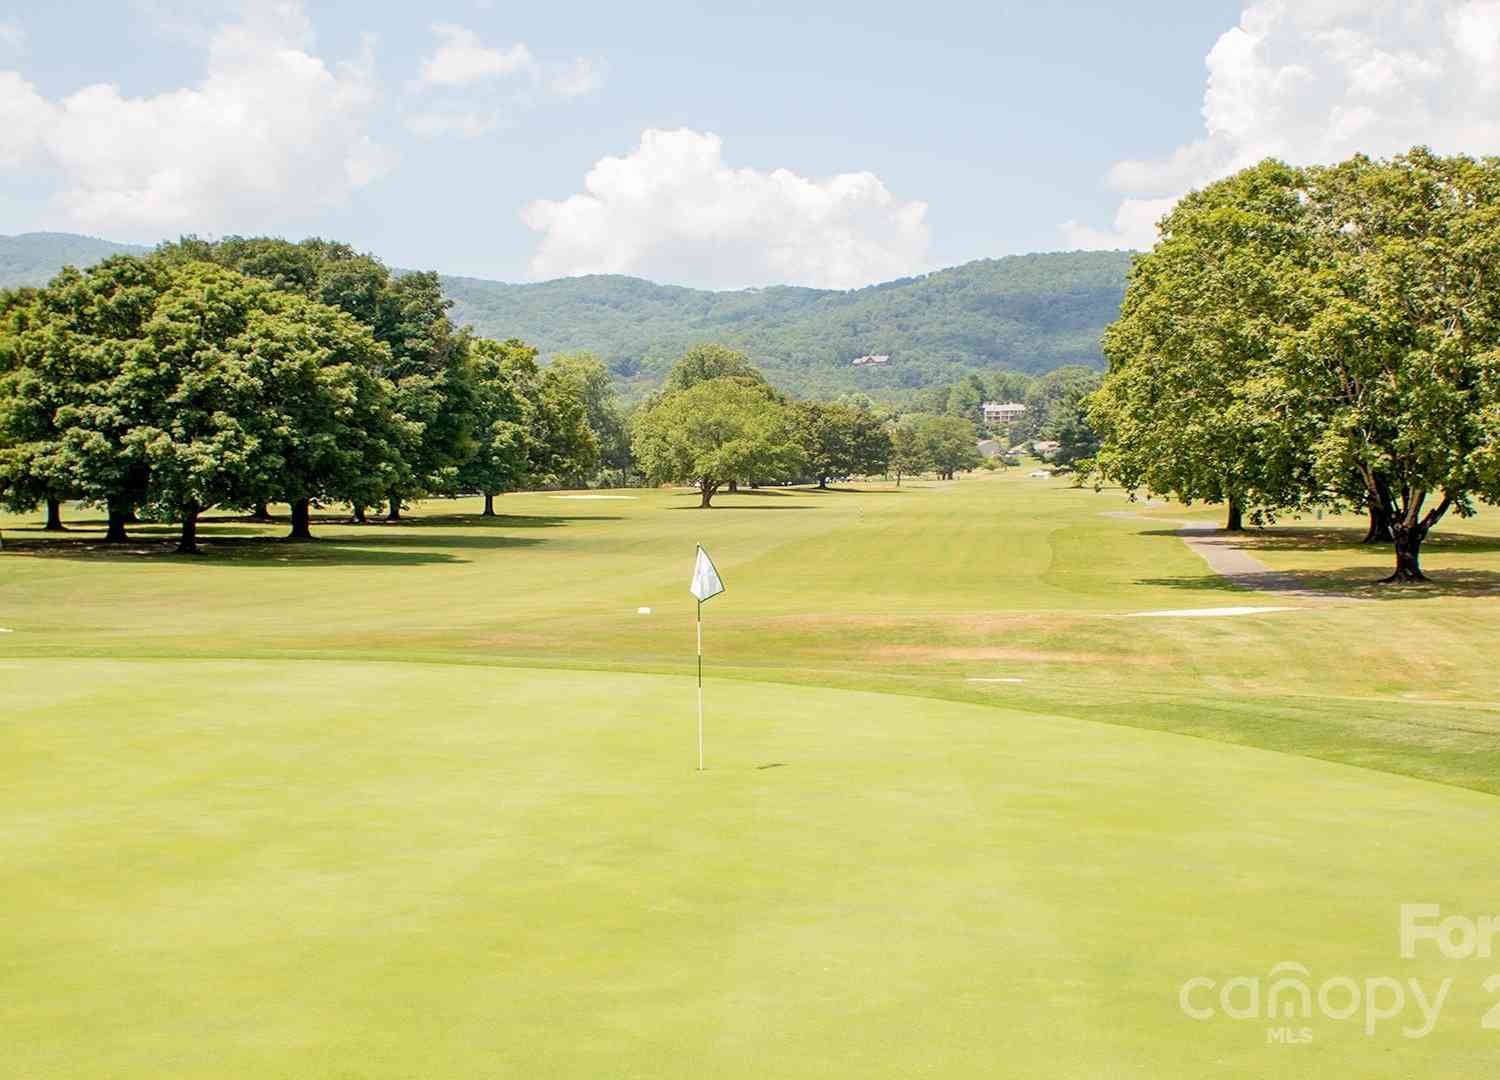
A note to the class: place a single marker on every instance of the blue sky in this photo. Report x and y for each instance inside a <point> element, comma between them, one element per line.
<point>857,144</point>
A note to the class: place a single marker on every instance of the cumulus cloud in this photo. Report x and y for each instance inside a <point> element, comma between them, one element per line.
<point>1316,81</point>
<point>673,210</point>
<point>467,88</point>
<point>271,130</point>
<point>460,58</point>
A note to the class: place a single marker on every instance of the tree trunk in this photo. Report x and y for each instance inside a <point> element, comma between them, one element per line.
<point>262,512</point>
<point>734,487</point>
<point>359,514</point>
<point>822,483</point>
<point>54,516</point>
<point>1408,543</point>
<point>1380,525</point>
<point>707,491</point>
<point>1236,519</point>
<point>118,515</point>
<point>187,542</point>
<point>489,505</point>
<point>395,511</point>
<point>301,520</point>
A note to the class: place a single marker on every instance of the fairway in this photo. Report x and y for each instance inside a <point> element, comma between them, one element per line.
<point>420,799</point>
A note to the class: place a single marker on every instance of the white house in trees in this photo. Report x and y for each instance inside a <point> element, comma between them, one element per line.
<point>996,412</point>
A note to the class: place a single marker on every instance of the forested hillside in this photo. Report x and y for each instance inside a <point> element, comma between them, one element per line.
<point>1028,313</point>
<point>32,258</point>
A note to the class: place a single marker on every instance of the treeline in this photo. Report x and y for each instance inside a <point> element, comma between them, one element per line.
<point>1317,337</point>
<point>245,372</point>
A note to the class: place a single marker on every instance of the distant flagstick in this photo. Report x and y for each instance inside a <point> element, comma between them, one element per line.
<point>706,585</point>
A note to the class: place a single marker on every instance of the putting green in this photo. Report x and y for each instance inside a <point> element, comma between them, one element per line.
<point>217,868</point>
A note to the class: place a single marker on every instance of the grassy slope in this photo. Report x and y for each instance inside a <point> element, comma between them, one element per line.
<point>912,591</point>
<point>228,860</point>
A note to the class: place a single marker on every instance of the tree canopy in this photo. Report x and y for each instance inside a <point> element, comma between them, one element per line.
<point>716,431</point>
<point>1319,336</point>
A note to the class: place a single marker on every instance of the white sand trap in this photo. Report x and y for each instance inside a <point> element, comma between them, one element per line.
<point>593,497</point>
<point>1204,612</point>
<point>5,631</point>
<point>1009,680</point>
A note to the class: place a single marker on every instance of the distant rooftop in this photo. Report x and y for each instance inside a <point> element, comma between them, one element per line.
<point>1006,410</point>
<point>874,358</point>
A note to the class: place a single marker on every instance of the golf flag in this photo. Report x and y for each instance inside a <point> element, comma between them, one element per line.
<point>706,585</point>
<point>706,581</point>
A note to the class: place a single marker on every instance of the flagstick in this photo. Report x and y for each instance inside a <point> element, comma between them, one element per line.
<point>700,685</point>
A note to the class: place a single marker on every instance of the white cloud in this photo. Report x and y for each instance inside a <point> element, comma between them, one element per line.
<point>467,88</point>
<point>674,210</point>
<point>461,59</point>
<point>1319,80</point>
<point>271,131</point>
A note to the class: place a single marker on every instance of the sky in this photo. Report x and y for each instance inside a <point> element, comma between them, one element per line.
<point>719,146</point>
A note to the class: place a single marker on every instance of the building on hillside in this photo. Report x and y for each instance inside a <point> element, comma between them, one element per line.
<point>867,361</point>
<point>997,412</point>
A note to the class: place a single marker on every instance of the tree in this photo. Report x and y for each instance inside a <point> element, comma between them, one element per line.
<point>1067,421</point>
<point>908,452</point>
<point>336,435</point>
<point>192,397</point>
<point>69,419</point>
<point>715,431</point>
<point>704,362</point>
<point>1398,354</point>
<point>173,386</point>
<point>505,414</point>
<point>433,386</point>
<point>588,381</point>
<point>1180,412</point>
<point>26,424</point>
<point>840,440</point>
<point>1075,439</point>
<point>427,361</point>
<point>948,444</point>
<point>1319,336</point>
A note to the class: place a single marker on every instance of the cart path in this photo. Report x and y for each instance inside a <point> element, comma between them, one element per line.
<point>1234,564</point>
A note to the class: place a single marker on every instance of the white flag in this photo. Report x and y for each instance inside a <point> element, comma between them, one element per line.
<point>706,581</point>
